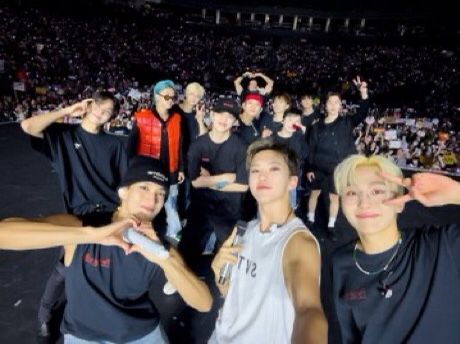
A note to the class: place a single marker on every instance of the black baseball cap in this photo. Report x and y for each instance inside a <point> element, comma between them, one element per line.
<point>227,105</point>
<point>145,169</point>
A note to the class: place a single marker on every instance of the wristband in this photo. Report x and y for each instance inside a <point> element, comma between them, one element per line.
<point>221,185</point>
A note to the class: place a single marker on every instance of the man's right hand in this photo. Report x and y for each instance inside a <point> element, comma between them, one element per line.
<point>79,109</point>
<point>310,176</point>
<point>112,235</point>
<point>226,254</point>
<point>266,133</point>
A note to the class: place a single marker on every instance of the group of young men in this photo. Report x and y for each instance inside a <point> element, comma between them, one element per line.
<point>246,156</point>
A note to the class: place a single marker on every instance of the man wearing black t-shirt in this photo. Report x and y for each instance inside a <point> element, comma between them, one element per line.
<point>216,167</point>
<point>89,165</point>
<point>248,125</point>
<point>309,113</point>
<point>192,112</point>
<point>291,135</point>
<point>88,162</point>
<point>331,140</point>
<point>393,285</point>
<point>108,280</point>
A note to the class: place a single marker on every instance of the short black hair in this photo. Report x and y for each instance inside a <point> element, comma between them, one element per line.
<point>102,96</point>
<point>292,112</point>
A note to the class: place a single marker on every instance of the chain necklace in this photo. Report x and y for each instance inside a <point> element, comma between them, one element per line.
<point>370,273</point>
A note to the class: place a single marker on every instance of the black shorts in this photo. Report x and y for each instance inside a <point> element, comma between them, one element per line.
<point>324,182</point>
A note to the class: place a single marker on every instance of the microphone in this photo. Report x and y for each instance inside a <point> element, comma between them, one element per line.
<point>226,269</point>
<point>132,236</point>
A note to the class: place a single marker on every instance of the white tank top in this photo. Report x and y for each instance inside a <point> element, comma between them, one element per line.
<point>258,308</point>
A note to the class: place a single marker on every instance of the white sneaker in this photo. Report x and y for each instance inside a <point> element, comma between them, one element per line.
<point>169,289</point>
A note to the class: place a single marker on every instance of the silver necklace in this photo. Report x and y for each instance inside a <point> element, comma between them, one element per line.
<point>385,267</point>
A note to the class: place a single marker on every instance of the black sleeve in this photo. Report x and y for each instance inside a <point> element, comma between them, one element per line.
<point>312,143</point>
<point>240,159</point>
<point>132,141</point>
<point>194,160</point>
<point>51,137</point>
<point>181,150</point>
<point>361,114</point>
<point>121,162</point>
<point>40,145</point>
<point>453,240</point>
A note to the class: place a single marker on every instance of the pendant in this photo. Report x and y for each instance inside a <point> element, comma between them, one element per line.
<point>388,293</point>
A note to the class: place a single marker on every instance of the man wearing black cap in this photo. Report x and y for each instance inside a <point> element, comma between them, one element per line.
<point>107,280</point>
<point>216,166</point>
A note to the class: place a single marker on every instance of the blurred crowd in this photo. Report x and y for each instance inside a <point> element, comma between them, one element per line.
<point>48,61</point>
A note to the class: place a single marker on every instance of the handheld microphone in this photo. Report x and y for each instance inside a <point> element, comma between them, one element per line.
<point>132,236</point>
<point>226,269</point>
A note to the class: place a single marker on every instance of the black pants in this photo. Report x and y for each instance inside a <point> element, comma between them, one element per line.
<point>197,232</point>
<point>54,296</point>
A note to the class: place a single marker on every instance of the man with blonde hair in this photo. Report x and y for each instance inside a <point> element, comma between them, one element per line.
<point>391,284</point>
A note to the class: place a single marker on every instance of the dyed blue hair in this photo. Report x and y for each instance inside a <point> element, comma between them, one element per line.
<point>161,85</point>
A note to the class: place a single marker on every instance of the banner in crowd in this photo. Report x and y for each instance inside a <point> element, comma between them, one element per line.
<point>19,86</point>
<point>41,90</point>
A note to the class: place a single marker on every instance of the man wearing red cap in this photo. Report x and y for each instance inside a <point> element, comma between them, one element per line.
<point>248,126</point>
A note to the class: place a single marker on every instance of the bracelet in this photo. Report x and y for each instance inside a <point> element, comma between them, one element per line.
<point>221,185</point>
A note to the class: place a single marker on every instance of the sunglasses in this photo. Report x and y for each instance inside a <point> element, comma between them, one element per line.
<point>167,97</point>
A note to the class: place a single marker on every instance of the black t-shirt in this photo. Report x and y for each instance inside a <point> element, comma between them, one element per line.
<point>190,127</point>
<point>218,158</point>
<point>330,143</point>
<point>267,122</point>
<point>296,143</point>
<point>307,122</point>
<point>89,166</point>
<point>249,133</point>
<point>108,292</point>
<point>424,280</point>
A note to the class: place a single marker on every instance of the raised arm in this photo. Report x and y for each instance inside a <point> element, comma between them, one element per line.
<point>363,110</point>
<point>269,82</point>
<point>58,230</point>
<point>238,80</point>
<point>194,291</point>
<point>37,124</point>
<point>302,268</point>
<point>430,189</point>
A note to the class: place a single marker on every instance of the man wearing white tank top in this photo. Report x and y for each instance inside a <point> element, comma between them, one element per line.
<point>273,295</point>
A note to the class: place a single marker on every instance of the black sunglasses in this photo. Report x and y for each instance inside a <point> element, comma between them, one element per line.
<point>167,96</point>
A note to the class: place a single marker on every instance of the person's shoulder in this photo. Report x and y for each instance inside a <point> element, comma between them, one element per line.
<point>176,111</point>
<point>342,253</point>
<point>200,142</point>
<point>143,112</point>
<point>61,127</point>
<point>237,141</point>
<point>96,219</point>
<point>202,139</point>
<point>301,238</point>
<point>176,108</point>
